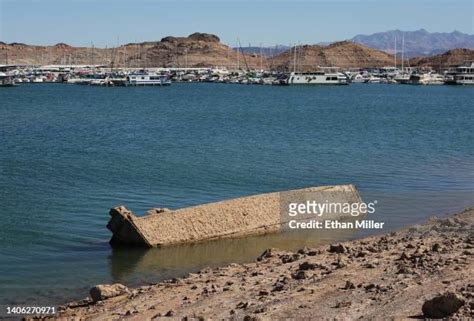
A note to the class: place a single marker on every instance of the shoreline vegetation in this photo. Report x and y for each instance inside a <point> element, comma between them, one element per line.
<point>424,271</point>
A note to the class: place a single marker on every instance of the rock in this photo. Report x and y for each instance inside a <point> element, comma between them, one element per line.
<point>343,304</point>
<point>303,251</point>
<point>307,266</point>
<point>242,305</point>
<point>170,313</point>
<point>349,285</point>
<point>278,287</point>
<point>442,305</point>
<point>266,254</point>
<point>290,258</point>
<point>337,248</point>
<point>299,275</point>
<point>198,36</point>
<point>340,264</point>
<point>370,287</point>
<point>104,291</point>
<point>403,269</point>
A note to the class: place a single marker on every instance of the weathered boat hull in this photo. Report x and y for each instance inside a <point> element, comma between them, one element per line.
<point>239,217</point>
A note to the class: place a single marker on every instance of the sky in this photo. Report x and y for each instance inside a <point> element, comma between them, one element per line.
<point>266,22</point>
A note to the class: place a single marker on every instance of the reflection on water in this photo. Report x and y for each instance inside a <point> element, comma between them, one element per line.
<point>170,261</point>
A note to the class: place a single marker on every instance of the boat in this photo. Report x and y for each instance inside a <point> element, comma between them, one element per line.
<point>426,79</point>
<point>147,79</point>
<point>317,78</point>
<point>359,79</point>
<point>6,81</point>
<point>464,74</point>
<point>373,80</point>
<point>403,77</point>
<point>238,217</point>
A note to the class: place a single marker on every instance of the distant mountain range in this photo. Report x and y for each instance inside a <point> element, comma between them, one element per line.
<point>417,43</point>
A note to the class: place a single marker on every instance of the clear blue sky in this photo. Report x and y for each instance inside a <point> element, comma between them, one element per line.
<point>80,22</point>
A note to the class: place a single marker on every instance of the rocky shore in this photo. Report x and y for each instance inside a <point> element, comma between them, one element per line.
<point>425,271</point>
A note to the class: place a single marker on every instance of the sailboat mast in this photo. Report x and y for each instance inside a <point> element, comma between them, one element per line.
<point>238,57</point>
<point>395,54</point>
<point>294,61</point>
<point>403,49</point>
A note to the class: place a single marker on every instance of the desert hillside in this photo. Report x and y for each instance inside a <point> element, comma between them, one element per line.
<point>451,58</point>
<point>344,54</point>
<point>196,50</point>
<point>206,50</point>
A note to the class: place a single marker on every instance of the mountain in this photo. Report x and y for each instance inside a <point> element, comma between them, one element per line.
<point>206,50</point>
<point>417,43</point>
<point>196,50</point>
<point>343,54</point>
<point>449,59</point>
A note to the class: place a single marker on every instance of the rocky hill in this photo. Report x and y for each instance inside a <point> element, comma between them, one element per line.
<point>449,59</point>
<point>417,43</point>
<point>196,50</point>
<point>344,54</point>
<point>206,50</point>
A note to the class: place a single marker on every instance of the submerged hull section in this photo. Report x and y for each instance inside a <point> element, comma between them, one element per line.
<point>252,215</point>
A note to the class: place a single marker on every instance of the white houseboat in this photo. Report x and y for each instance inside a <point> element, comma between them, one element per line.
<point>6,81</point>
<point>464,74</point>
<point>317,78</point>
<point>147,80</point>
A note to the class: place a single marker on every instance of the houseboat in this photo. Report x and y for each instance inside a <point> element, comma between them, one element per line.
<point>464,74</point>
<point>147,80</point>
<point>317,78</point>
<point>6,81</point>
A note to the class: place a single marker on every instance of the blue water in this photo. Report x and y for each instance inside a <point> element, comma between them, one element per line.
<point>68,153</point>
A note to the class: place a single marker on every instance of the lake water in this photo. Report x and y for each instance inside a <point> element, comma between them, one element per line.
<point>68,153</point>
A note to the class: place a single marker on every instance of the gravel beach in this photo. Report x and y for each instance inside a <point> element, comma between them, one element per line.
<point>425,271</point>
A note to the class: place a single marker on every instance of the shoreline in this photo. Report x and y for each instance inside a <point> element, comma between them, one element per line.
<point>398,271</point>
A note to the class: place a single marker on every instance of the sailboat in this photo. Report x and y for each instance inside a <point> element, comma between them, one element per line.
<point>404,76</point>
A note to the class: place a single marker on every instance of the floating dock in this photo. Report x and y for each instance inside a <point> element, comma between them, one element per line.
<point>239,217</point>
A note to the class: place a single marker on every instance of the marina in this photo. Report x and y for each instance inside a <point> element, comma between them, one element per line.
<point>104,76</point>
